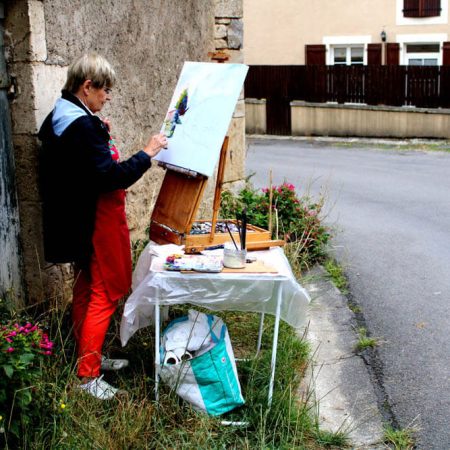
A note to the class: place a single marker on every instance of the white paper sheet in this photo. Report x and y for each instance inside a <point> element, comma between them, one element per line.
<point>199,114</point>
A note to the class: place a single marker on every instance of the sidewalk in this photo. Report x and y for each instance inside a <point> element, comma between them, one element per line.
<point>337,378</point>
<point>414,142</point>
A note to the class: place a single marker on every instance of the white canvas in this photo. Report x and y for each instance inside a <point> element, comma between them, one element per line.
<point>200,113</point>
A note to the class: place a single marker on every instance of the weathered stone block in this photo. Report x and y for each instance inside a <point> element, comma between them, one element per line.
<point>220,44</point>
<point>26,167</point>
<point>235,164</point>
<point>141,198</point>
<point>22,107</point>
<point>32,250</point>
<point>223,21</point>
<point>239,110</point>
<point>220,31</point>
<point>57,282</point>
<point>229,8</point>
<point>255,116</point>
<point>48,81</point>
<point>235,34</point>
<point>236,56</point>
<point>17,32</point>
<point>38,46</point>
<point>25,31</point>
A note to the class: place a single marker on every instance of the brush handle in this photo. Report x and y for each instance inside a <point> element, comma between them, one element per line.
<point>244,229</point>
<point>231,235</point>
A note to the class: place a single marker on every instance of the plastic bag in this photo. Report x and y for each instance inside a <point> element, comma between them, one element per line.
<point>206,377</point>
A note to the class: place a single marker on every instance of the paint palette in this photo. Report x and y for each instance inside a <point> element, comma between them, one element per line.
<point>197,263</point>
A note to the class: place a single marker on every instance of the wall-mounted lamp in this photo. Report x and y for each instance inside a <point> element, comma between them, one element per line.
<point>383,36</point>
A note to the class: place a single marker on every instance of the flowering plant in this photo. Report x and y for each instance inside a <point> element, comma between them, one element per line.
<point>295,219</point>
<point>22,350</point>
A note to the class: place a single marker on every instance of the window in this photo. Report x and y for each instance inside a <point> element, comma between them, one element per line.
<point>348,55</point>
<point>422,54</point>
<point>421,8</point>
<point>340,56</point>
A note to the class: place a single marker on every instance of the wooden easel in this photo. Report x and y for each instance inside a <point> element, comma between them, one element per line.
<point>178,202</point>
<point>218,190</point>
<point>177,205</point>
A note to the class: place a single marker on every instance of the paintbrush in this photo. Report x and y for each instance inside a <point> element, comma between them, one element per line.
<point>231,235</point>
<point>244,228</point>
<point>239,229</point>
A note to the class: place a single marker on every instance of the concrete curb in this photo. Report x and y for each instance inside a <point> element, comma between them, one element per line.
<point>337,380</point>
<point>350,140</point>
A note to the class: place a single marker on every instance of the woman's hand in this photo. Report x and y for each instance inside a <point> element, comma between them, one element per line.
<point>107,123</point>
<point>155,144</point>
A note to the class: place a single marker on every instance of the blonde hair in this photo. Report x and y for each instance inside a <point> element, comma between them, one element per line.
<point>90,67</point>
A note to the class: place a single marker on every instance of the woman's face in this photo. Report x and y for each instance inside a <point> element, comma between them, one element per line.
<point>96,98</point>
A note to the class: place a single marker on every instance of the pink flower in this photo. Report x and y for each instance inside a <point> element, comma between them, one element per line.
<point>48,352</point>
<point>288,186</point>
<point>8,340</point>
<point>10,350</point>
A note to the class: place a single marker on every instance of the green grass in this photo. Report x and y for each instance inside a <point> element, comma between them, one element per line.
<point>329,439</point>
<point>139,422</point>
<point>364,341</point>
<point>356,309</point>
<point>336,274</point>
<point>399,439</point>
<point>71,420</point>
<point>68,419</point>
<point>439,146</point>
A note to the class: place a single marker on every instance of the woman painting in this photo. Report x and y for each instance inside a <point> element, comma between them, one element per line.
<point>83,186</point>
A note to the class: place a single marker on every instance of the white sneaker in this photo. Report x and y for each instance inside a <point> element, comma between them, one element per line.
<point>113,364</point>
<point>99,388</point>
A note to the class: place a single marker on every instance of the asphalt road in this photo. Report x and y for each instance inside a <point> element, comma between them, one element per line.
<point>390,210</point>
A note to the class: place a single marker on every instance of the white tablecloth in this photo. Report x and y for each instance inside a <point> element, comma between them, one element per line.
<point>152,285</point>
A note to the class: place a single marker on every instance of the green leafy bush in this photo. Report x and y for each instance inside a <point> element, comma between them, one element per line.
<point>295,219</point>
<point>23,349</point>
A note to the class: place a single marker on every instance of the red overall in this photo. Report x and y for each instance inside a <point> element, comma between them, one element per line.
<point>96,292</point>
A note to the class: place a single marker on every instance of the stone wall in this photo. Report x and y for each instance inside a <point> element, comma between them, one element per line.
<point>255,116</point>
<point>228,40</point>
<point>326,119</point>
<point>147,43</point>
<point>321,119</point>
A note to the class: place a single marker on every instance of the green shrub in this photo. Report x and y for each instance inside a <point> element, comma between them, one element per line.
<point>295,219</point>
<point>23,350</point>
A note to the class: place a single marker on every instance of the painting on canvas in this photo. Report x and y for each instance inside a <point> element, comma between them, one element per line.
<point>199,114</point>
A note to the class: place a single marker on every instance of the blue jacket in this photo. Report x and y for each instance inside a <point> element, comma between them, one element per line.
<point>75,166</point>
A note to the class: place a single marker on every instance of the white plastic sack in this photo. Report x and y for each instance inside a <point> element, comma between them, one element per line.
<point>208,378</point>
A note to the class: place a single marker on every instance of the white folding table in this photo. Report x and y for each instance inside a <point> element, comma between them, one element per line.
<point>267,293</point>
